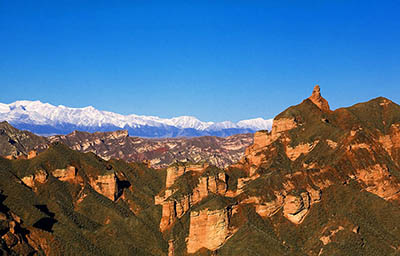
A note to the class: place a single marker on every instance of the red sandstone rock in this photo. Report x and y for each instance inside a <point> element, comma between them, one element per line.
<point>106,185</point>
<point>208,229</point>
<point>67,174</point>
<point>318,100</point>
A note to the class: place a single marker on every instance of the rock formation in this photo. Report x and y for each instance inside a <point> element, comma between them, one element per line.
<point>318,100</point>
<point>18,144</point>
<point>158,153</point>
<point>208,229</point>
<point>39,176</point>
<point>296,160</point>
<point>176,201</point>
<point>107,185</point>
<point>321,182</point>
<point>67,174</point>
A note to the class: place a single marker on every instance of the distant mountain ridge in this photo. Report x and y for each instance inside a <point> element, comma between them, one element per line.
<point>157,153</point>
<point>46,119</point>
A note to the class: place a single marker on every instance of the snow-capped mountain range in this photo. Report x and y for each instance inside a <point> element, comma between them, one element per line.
<point>46,119</point>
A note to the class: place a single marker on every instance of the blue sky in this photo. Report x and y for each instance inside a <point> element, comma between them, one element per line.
<point>216,60</point>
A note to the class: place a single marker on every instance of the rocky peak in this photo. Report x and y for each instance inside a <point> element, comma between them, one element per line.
<point>303,188</point>
<point>16,143</point>
<point>318,100</point>
<point>120,134</point>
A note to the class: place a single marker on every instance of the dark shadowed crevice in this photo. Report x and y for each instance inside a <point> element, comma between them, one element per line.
<point>43,208</point>
<point>121,185</point>
<point>45,224</point>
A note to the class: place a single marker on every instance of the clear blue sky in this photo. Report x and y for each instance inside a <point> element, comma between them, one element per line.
<point>216,60</point>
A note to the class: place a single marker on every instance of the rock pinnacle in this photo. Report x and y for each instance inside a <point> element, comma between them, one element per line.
<point>318,100</point>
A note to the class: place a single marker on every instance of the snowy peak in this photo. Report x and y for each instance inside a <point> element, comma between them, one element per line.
<point>222,125</point>
<point>189,122</point>
<point>44,118</point>
<point>4,108</point>
<point>256,124</point>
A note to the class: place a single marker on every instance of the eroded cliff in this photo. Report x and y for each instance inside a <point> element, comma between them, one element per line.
<point>288,176</point>
<point>321,182</point>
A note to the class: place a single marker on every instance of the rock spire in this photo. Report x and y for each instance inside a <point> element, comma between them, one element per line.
<point>318,100</point>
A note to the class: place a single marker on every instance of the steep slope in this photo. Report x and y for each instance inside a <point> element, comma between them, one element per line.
<point>321,182</point>
<point>80,203</point>
<point>46,119</point>
<point>16,143</point>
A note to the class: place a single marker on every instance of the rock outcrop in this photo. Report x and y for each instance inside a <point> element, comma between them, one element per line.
<point>318,100</point>
<point>321,182</point>
<point>159,153</point>
<point>378,180</point>
<point>40,177</point>
<point>391,141</point>
<point>107,185</point>
<point>177,170</point>
<point>295,208</point>
<point>176,201</point>
<point>267,146</point>
<point>328,238</point>
<point>18,144</point>
<point>67,174</point>
<point>208,229</point>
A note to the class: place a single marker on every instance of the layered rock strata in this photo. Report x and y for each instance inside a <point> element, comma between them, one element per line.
<point>208,229</point>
